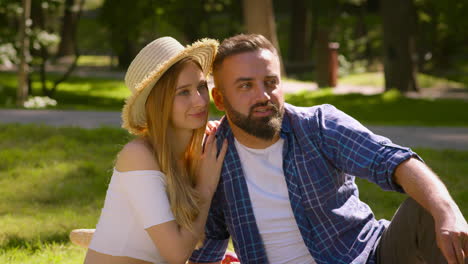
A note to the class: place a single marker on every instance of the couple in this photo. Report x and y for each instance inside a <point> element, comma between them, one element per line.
<point>277,179</point>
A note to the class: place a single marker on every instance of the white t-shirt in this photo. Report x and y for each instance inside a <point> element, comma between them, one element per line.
<point>263,170</point>
<point>135,200</point>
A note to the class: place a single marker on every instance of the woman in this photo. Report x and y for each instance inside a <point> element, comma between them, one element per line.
<point>163,181</point>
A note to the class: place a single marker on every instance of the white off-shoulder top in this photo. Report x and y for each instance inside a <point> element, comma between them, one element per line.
<point>135,200</point>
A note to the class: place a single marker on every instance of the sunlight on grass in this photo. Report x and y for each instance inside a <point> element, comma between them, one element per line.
<point>88,60</point>
<point>377,79</point>
<point>364,79</point>
<point>39,253</point>
<point>389,108</point>
<point>425,81</point>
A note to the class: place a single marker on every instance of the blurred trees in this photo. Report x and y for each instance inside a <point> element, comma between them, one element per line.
<point>430,36</point>
<point>414,35</point>
<point>42,32</point>
<point>132,24</point>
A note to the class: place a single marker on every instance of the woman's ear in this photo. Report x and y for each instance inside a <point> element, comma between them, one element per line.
<point>217,98</point>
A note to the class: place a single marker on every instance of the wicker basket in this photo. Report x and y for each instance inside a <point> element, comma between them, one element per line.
<point>81,237</point>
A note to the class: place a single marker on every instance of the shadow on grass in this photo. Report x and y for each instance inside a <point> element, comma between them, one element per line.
<point>83,185</point>
<point>77,163</point>
<point>73,101</point>
<point>13,241</point>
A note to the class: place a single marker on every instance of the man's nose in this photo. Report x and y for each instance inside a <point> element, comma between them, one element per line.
<point>262,93</point>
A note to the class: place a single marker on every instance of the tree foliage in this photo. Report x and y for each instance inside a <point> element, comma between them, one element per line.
<point>134,23</point>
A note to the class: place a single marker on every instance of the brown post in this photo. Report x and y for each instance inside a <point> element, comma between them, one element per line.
<point>333,63</point>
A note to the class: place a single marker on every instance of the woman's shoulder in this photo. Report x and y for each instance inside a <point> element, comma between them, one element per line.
<point>136,155</point>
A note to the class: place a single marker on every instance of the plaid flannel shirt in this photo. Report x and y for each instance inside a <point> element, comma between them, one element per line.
<point>324,150</point>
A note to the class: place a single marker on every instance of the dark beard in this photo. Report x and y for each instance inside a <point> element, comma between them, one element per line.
<point>264,127</point>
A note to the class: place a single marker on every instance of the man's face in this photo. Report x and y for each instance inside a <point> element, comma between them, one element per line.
<point>248,88</point>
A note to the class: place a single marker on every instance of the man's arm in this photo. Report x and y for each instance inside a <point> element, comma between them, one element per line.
<point>427,189</point>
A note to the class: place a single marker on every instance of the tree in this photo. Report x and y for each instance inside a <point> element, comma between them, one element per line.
<point>45,16</point>
<point>23,68</point>
<point>399,17</point>
<point>325,13</point>
<point>260,19</point>
<point>69,28</point>
<point>126,22</point>
<point>299,33</point>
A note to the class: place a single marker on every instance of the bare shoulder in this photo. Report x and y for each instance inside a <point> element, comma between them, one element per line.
<point>136,155</point>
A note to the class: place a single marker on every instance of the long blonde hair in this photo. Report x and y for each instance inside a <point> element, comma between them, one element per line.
<point>183,198</point>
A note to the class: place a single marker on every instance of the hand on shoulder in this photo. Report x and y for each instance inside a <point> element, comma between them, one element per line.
<point>136,155</point>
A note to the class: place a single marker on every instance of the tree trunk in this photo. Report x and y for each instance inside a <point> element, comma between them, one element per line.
<point>299,31</point>
<point>322,55</point>
<point>68,30</point>
<point>23,69</point>
<point>260,19</point>
<point>399,44</point>
<point>126,55</point>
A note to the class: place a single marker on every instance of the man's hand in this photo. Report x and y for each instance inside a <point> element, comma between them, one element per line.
<point>452,237</point>
<point>451,229</point>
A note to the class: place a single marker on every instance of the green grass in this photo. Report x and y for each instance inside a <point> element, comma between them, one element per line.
<point>389,108</point>
<point>450,165</point>
<point>76,93</point>
<point>53,180</point>
<point>88,60</point>
<point>377,79</point>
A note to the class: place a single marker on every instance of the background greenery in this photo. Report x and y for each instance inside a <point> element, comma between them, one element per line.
<point>390,108</point>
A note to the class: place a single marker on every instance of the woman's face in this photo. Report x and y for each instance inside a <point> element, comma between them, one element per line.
<point>190,107</point>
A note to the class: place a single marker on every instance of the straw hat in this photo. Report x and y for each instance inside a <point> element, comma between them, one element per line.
<point>150,64</point>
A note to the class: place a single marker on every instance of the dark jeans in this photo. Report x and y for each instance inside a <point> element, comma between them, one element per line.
<point>410,238</point>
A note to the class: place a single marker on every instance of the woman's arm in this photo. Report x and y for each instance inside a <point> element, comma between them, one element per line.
<point>174,242</point>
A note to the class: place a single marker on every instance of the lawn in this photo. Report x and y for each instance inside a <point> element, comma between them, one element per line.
<point>77,93</point>
<point>377,79</point>
<point>53,180</point>
<point>389,108</point>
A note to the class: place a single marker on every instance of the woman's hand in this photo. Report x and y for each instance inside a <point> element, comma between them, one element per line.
<point>210,164</point>
<point>214,124</point>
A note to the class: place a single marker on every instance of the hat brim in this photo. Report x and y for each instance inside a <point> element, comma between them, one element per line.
<point>133,113</point>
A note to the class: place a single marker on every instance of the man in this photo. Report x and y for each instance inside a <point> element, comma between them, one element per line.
<point>287,191</point>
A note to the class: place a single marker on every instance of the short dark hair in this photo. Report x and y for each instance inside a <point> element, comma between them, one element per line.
<point>239,44</point>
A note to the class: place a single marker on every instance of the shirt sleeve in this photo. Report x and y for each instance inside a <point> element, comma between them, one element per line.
<point>146,193</point>
<point>216,236</point>
<point>357,151</point>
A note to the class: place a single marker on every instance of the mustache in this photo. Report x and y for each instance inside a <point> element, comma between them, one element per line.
<point>268,104</point>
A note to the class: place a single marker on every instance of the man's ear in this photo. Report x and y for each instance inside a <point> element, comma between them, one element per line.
<point>217,98</point>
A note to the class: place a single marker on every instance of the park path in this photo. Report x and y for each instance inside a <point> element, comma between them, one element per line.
<point>412,136</point>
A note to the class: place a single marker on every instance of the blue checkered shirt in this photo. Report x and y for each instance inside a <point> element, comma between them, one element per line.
<point>324,149</point>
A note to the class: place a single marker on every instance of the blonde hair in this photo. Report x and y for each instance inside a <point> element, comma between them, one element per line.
<point>183,197</point>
